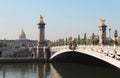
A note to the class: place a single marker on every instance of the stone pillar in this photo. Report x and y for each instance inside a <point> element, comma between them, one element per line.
<point>41,38</point>
<point>43,51</point>
<point>102,32</point>
<point>47,54</point>
<point>41,33</point>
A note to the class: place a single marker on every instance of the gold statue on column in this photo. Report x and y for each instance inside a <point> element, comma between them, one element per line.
<point>102,22</point>
<point>41,19</point>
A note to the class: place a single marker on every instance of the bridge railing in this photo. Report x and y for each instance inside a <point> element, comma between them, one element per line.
<point>58,48</point>
<point>84,47</point>
<point>110,51</point>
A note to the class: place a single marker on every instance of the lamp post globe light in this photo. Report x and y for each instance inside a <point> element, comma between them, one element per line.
<point>115,36</point>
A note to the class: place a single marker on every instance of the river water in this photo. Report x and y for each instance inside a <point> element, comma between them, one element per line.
<point>55,70</point>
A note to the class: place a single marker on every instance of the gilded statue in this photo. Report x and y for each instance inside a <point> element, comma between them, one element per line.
<point>41,19</point>
<point>102,22</point>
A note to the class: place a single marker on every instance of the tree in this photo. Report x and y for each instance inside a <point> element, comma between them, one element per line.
<point>66,41</point>
<point>1,44</point>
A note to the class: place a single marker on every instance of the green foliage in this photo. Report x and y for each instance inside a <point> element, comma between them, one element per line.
<point>119,42</point>
<point>111,42</point>
<point>2,44</point>
<point>79,41</point>
<point>82,41</point>
<point>96,41</point>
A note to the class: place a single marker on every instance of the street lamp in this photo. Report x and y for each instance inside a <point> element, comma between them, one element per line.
<point>78,40</point>
<point>115,42</point>
<point>116,35</point>
<point>85,38</point>
<point>93,38</point>
<point>109,35</point>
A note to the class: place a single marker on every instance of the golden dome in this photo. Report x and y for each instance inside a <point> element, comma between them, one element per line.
<point>22,35</point>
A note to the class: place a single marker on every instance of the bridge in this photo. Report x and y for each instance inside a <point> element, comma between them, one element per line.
<point>95,54</point>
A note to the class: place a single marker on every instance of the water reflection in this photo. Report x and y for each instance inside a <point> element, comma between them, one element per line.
<point>68,70</point>
<point>54,73</point>
<point>55,70</point>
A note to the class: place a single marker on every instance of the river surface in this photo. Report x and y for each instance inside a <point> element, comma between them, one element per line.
<point>55,70</point>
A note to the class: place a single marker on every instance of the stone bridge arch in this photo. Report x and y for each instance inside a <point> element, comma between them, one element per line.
<point>92,58</point>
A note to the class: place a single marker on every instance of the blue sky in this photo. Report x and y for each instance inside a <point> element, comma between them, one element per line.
<point>63,18</point>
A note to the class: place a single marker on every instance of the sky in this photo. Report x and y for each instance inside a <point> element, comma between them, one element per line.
<point>63,18</point>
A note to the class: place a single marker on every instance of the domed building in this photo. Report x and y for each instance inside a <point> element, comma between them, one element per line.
<point>22,35</point>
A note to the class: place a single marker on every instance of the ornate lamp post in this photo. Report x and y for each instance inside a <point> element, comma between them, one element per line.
<point>115,42</point>
<point>109,34</point>
<point>109,38</point>
<point>85,39</point>
<point>92,41</point>
<point>78,40</point>
<point>93,36</point>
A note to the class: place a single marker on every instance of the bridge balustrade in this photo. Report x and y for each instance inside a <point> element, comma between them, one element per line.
<point>106,50</point>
